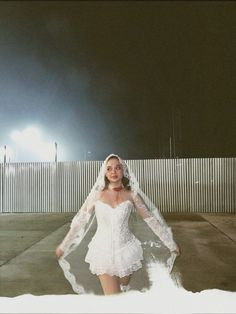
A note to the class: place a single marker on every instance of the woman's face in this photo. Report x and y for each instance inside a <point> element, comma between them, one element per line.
<point>114,170</point>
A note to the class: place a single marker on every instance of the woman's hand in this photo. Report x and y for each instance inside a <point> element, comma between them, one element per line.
<point>177,250</point>
<point>59,252</point>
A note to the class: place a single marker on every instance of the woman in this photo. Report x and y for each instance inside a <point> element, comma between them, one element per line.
<point>114,252</point>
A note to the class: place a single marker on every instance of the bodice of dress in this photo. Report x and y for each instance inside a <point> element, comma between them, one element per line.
<point>113,224</point>
<point>114,250</point>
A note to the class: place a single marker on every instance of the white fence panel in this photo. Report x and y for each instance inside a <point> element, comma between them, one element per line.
<point>174,185</point>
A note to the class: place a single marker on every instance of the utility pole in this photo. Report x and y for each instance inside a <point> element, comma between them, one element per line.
<point>170,145</point>
<point>173,130</point>
<point>55,151</point>
<point>5,154</point>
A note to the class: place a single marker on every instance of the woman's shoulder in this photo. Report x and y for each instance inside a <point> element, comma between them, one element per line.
<point>129,194</point>
<point>95,195</point>
<point>103,192</point>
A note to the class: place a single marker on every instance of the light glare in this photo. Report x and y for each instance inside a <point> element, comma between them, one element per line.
<point>30,142</point>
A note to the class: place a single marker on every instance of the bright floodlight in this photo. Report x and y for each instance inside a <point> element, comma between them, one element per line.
<point>30,141</point>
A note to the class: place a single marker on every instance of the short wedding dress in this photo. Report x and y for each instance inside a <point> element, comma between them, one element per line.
<point>114,250</point>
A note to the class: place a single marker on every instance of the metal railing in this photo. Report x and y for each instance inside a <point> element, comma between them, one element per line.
<point>174,185</point>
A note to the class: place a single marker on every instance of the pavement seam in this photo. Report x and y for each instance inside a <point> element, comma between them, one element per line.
<point>212,224</point>
<point>12,258</point>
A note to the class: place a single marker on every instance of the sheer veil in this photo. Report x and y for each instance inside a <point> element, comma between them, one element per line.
<point>83,225</point>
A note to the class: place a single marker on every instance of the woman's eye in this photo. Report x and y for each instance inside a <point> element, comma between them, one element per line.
<point>118,167</point>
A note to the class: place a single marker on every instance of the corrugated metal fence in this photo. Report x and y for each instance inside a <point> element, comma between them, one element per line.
<point>174,185</point>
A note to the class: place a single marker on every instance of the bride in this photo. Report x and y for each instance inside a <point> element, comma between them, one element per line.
<point>114,252</point>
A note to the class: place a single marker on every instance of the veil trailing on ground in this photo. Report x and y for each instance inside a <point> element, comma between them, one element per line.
<point>83,225</point>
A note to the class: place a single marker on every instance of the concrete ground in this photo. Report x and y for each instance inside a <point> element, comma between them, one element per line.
<point>28,241</point>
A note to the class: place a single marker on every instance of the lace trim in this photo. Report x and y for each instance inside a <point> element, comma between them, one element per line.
<point>70,277</point>
<point>118,273</point>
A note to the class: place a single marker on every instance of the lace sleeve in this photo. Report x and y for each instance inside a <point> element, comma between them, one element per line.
<point>78,223</point>
<point>156,224</point>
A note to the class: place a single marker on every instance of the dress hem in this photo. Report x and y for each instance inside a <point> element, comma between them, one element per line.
<point>119,274</point>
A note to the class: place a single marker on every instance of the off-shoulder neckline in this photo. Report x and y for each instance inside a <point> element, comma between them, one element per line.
<point>117,204</point>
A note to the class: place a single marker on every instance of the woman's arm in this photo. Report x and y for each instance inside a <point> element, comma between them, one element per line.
<point>161,230</point>
<point>77,226</point>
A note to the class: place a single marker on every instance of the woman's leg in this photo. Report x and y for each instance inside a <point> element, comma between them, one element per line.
<point>110,284</point>
<point>125,280</point>
<point>124,283</point>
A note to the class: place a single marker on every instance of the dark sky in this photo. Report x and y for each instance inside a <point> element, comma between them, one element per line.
<point>121,77</point>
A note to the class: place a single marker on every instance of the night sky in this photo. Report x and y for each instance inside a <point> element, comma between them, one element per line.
<point>120,76</point>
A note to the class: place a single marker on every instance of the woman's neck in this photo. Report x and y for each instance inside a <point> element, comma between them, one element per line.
<point>114,185</point>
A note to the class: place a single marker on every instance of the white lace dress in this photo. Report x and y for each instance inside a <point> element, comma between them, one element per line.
<point>114,250</point>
